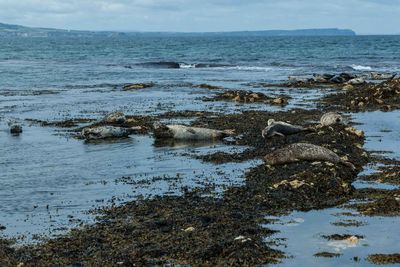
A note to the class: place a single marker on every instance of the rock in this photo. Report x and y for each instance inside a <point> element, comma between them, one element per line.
<point>115,117</point>
<point>278,101</point>
<point>361,104</point>
<point>242,239</point>
<point>347,76</point>
<point>327,76</point>
<point>189,229</point>
<point>354,131</point>
<point>352,240</point>
<point>348,87</point>
<point>295,184</point>
<point>135,86</point>
<point>338,79</point>
<point>15,129</point>
<point>321,78</point>
<point>294,79</point>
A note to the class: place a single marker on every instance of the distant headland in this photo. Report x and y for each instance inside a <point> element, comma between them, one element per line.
<point>8,30</point>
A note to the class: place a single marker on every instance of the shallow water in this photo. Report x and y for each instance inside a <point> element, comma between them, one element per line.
<point>304,231</point>
<point>62,177</point>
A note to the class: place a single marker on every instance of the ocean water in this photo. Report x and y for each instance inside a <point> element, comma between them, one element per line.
<point>48,181</point>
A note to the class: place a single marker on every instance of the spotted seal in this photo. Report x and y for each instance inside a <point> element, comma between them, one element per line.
<point>182,132</point>
<point>303,152</point>
<point>281,128</point>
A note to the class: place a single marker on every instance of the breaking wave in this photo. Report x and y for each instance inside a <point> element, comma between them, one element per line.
<point>361,67</point>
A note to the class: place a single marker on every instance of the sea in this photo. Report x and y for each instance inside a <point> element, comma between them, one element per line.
<point>50,181</point>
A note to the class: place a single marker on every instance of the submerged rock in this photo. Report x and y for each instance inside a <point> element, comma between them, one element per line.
<point>384,258</point>
<point>135,86</point>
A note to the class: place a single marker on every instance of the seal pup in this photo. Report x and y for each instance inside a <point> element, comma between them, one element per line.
<point>115,117</point>
<point>303,152</point>
<point>331,118</point>
<point>106,132</point>
<point>281,128</point>
<point>182,132</point>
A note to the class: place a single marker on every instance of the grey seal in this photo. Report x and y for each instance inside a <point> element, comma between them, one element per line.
<point>304,152</point>
<point>281,128</point>
<point>331,118</point>
<point>107,132</point>
<point>182,132</point>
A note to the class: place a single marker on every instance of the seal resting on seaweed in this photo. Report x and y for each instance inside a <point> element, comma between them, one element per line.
<point>331,118</point>
<point>303,152</point>
<point>281,128</point>
<point>115,117</point>
<point>182,132</point>
<point>106,132</point>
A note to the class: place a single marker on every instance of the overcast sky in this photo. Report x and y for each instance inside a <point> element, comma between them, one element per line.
<point>363,16</point>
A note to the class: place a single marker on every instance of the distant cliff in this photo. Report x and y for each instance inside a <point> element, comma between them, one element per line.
<point>7,30</point>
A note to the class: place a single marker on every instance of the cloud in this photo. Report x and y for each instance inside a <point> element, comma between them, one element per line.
<point>365,16</point>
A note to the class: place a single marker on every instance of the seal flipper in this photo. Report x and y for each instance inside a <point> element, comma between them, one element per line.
<point>278,133</point>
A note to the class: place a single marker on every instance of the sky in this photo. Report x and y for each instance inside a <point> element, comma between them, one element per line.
<point>362,16</point>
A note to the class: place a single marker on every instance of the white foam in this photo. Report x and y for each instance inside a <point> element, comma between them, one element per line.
<point>245,68</point>
<point>360,67</point>
<point>186,66</point>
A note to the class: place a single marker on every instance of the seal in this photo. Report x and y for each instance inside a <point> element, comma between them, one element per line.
<point>356,81</point>
<point>107,132</point>
<point>115,117</point>
<point>281,128</point>
<point>303,152</point>
<point>182,132</point>
<point>15,129</point>
<point>382,76</point>
<point>331,118</point>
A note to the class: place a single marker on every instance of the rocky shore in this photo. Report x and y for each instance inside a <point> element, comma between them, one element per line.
<point>198,229</point>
